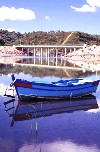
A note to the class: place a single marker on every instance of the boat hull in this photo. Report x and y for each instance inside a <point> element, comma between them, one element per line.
<point>26,89</point>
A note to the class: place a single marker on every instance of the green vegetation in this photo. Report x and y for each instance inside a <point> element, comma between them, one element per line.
<point>48,38</point>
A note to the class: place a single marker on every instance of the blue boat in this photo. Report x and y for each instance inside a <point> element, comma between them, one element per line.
<point>54,90</point>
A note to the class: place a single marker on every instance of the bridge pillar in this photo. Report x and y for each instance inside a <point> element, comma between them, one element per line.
<point>34,53</point>
<point>48,55</point>
<point>41,54</point>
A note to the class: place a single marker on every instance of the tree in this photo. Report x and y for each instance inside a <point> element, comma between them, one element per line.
<point>2,42</point>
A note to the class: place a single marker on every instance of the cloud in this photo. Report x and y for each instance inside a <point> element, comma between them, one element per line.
<point>90,6</point>
<point>47,18</point>
<point>12,29</point>
<point>94,3</point>
<point>16,14</point>
<point>9,29</point>
<point>84,8</point>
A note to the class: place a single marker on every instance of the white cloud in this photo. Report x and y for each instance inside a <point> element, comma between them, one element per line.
<point>90,6</point>
<point>94,3</point>
<point>12,29</point>
<point>9,29</point>
<point>84,8</point>
<point>16,14</point>
<point>47,18</point>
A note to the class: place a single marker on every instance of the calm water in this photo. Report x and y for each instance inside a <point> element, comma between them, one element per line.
<point>68,127</point>
<point>37,60</point>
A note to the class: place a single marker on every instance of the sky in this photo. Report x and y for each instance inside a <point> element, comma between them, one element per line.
<point>50,15</point>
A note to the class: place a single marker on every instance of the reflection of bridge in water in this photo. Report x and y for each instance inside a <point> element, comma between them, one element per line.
<point>47,56</point>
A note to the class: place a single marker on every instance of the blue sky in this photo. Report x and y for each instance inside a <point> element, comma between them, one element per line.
<point>50,15</point>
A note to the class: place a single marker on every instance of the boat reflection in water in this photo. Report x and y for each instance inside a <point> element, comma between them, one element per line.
<point>31,110</point>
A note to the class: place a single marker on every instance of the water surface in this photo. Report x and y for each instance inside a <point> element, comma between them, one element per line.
<point>71,127</point>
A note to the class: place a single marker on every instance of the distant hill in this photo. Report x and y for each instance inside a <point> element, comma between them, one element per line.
<point>48,38</point>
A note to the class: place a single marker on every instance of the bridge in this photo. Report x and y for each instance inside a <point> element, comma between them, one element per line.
<point>47,49</point>
<point>53,56</point>
<point>48,55</point>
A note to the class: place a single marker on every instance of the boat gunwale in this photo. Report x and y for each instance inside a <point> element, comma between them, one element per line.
<point>63,88</point>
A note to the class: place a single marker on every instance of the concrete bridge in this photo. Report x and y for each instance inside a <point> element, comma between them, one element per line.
<point>51,56</point>
<point>47,49</point>
<point>48,55</point>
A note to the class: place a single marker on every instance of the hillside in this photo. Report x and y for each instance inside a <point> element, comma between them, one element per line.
<point>48,38</point>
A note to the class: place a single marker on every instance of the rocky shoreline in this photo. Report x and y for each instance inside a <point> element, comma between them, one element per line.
<point>10,51</point>
<point>87,58</point>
